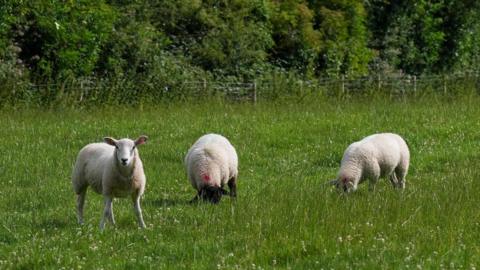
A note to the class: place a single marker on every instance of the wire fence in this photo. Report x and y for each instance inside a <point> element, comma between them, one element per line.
<point>82,89</point>
<point>398,84</point>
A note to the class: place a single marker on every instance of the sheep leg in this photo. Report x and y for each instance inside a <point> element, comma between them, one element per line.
<point>401,172</point>
<point>107,212</point>
<point>138,210</point>
<point>375,175</point>
<point>232,185</point>
<point>111,217</point>
<point>393,180</point>
<point>80,204</point>
<point>371,185</point>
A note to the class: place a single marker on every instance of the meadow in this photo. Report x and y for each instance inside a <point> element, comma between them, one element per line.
<point>285,215</point>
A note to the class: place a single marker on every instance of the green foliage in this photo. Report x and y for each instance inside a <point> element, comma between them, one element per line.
<point>229,37</point>
<point>14,77</point>
<point>6,19</point>
<point>297,42</point>
<point>420,37</point>
<point>62,39</point>
<point>132,43</point>
<point>342,27</point>
<point>462,50</point>
<point>146,46</point>
<point>321,37</point>
<point>417,36</point>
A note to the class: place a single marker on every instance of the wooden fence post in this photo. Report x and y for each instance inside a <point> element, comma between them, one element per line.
<point>445,84</point>
<point>379,83</point>
<point>415,84</point>
<point>343,84</point>
<point>81,91</point>
<point>254,89</point>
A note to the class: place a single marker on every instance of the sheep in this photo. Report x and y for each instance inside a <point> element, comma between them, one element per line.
<point>210,163</point>
<point>375,156</point>
<point>113,169</point>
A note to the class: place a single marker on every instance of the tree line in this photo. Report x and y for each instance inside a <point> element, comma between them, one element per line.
<point>170,41</point>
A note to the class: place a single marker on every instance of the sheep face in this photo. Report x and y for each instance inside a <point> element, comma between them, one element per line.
<point>212,194</point>
<point>344,184</point>
<point>125,149</point>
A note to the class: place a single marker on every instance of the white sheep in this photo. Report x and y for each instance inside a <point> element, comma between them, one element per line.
<point>211,163</point>
<point>113,169</point>
<point>375,156</point>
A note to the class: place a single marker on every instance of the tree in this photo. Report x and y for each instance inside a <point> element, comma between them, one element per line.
<point>297,43</point>
<point>321,37</point>
<point>229,37</point>
<point>62,39</point>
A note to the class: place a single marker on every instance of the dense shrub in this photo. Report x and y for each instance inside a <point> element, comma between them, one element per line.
<point>132,50</point>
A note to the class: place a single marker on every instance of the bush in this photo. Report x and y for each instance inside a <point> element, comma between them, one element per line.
<point>62,39</point>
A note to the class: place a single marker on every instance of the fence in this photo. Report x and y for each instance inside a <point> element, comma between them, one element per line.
<point>233,90</point>
<point>398,85</point>
<point>83,89</point>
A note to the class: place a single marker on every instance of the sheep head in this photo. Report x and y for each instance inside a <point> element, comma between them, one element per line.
<point>125,149</point>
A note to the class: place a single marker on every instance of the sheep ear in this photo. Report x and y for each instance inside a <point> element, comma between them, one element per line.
<point>141,140</point>
<point>110,140</point>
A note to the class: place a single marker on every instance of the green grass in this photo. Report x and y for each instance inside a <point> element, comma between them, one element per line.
<point>285,215</point>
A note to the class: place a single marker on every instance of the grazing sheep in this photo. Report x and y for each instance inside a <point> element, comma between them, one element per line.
<point>113,169</point>
<point>210,163</point>
<point>375,156</point>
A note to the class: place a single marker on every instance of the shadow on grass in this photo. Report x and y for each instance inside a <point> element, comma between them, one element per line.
<point>53,223</point>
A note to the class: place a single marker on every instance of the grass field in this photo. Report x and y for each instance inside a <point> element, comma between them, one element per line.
<point>285,215</point>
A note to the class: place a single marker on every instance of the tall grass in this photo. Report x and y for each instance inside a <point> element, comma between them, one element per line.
<point>74,92</point>
<point>285,215</point>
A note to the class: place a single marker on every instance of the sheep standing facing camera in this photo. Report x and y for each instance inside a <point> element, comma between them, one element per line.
<point>211,163</point>
<point>113,169</point>
<point>375,156</point>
